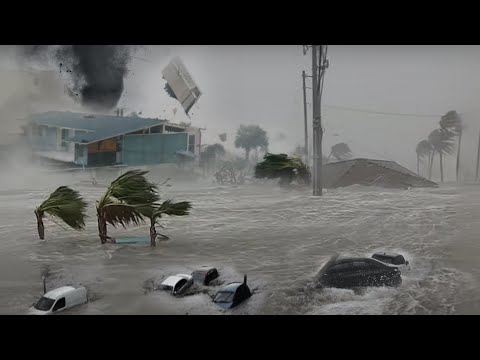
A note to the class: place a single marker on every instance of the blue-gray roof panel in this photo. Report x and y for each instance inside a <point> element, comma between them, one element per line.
<point>99,126</point>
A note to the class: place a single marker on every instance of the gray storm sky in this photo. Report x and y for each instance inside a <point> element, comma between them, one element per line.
<point>261,84</point>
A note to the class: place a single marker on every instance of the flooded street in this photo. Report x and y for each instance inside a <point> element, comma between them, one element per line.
<point>279,238</point>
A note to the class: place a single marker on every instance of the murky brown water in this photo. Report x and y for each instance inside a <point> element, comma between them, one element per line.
<point>279,238</point>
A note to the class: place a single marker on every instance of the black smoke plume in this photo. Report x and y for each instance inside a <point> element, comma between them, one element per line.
<point>97,71</point>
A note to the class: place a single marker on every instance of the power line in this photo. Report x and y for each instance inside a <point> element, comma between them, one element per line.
<point>381,112</point>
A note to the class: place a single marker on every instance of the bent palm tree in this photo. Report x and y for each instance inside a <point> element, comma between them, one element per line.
<point>120,204</point>
<point>424,149</point>
<point>442,142</point>
<point>65,204</point>
<point>340,151</point>
<point>154,214</point>
<point>283,167</point>
<point>452,122</point>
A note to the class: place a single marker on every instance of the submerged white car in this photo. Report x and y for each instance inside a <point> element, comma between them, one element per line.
<point>59,299</point>
<point>177,285</point>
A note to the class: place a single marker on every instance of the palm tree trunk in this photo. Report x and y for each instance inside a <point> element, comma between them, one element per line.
<point>247,153</point>
<point>256,155</point>
<point>102,228</point>
<point>458,153</point>
<point>431,166</point>
<point>441,166</point>
<point>153,234</point>
<point>418,165</point>
<point>40,226</point>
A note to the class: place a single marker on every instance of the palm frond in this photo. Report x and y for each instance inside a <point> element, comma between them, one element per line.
<point>67,205</point>
<point>147,211</point>
<point>442,141</point>
<point>452,121</point>
<point>123,214</point>
<point>424,148</point>
<point>282,166</point>
<point>133,188</point>
<point>177,209</point>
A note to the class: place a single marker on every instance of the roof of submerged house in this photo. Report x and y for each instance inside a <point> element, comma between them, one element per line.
<point>372,172</point>
<point>98,127</point>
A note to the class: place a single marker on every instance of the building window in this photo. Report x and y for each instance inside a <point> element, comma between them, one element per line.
<point>64,137</point>
<point>191,143</point>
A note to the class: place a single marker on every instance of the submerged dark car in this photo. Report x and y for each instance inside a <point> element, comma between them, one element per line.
<point>232,294</point>
<point>205,275</point>
<point>358,272</point>
<point>390,258</point>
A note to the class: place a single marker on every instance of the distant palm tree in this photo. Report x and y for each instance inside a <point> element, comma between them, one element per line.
<point>452,122</point>
<point>65,204</point>
<point>442,142</point>
<point>154,214</point>
<point>120,203</point>
<point>340,151</point>
<point>424,149</point>
<point>250,137</point>
<point>211,154</point>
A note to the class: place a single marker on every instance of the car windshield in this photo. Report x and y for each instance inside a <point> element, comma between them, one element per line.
<point>385,259</point>
<point>44,304</point>
<point>198,276</point>
<point>166,287</point>
<point>224,297</point>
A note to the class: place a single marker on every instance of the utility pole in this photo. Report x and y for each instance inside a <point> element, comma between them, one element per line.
<point>307,161</point>
<point>319,65</point>
<point>478,158</point>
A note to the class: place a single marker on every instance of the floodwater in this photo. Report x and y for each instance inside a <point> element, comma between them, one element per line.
<point>279,238</point>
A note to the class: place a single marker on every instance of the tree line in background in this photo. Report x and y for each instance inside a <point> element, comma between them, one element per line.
<point>441,141</point>
<point>130,199</point>
<point>254,138</point>
<point>339,152</point>
<point>232,169</point>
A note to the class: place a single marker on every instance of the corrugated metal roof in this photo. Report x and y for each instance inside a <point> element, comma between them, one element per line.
<point>99,127</point>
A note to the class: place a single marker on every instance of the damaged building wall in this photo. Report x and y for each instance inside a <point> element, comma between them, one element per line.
<point>152,148</point>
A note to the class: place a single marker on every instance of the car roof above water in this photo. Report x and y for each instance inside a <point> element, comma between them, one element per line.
<point>232,287</point>
<point>350,259</point>
<point>386,254</point>
<point>61,291</point>
<point>203,270</point>
<point>173,280</point>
